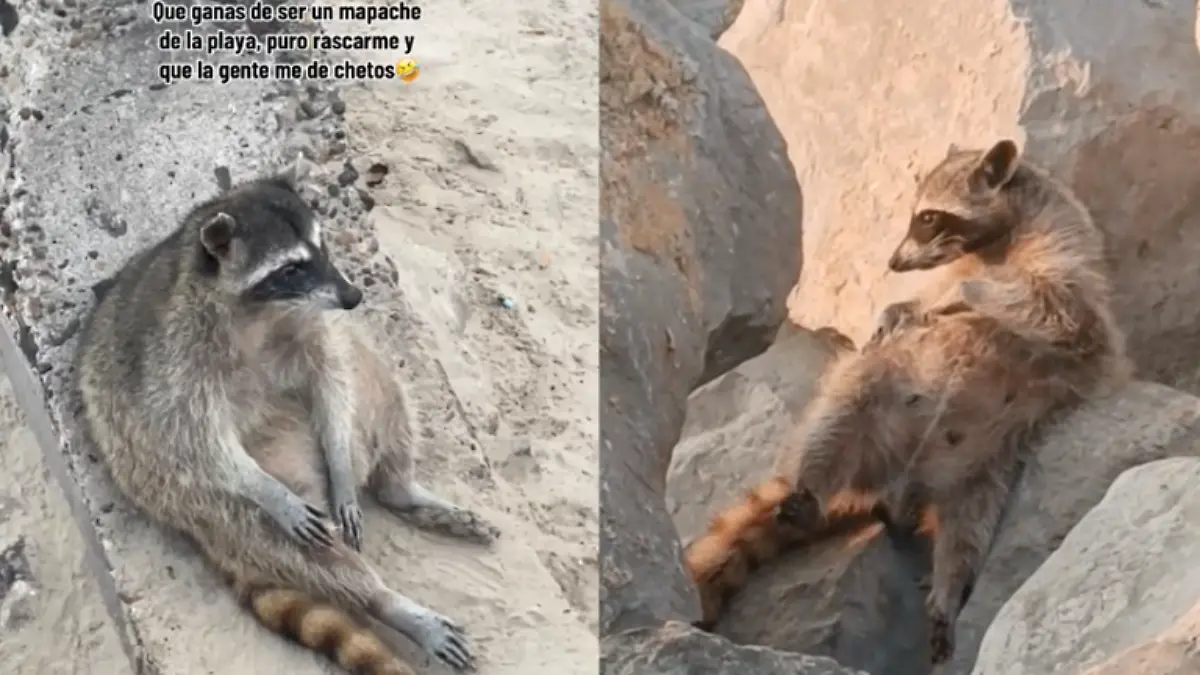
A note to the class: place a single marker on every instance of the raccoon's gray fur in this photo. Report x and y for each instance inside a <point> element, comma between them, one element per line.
<point>930,418</point>
<point>232,397</point>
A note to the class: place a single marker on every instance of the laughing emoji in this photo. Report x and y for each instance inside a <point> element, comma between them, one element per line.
<point>407,70</point>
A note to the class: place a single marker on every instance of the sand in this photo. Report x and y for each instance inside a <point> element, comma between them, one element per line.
<point>489,206</point>
<point>489,209</point>
<point>63,629</point>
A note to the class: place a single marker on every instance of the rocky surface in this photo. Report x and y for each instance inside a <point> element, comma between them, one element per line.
<point>687,151</point>
<point>714,16</point>
<point>1106,94</point>
<point>856,598</point>
<point>678,649</point>
<point>98,160</point>
<point>1121,595</point>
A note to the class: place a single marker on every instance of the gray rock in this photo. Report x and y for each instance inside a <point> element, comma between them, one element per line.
<point>1106,93</point>
<point>700,227</point>
<point>678,649</point>
<point>856,598</point>
<point>1121,595</point>
<point>1076,462</point>
<point>714,16</point>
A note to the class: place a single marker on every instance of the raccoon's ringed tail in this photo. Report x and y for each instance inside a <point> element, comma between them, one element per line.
<point>324,628</point>
<point>706,555</point>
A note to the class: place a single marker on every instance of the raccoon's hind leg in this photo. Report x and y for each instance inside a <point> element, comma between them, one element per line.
<point>317,597</point>
<point>393,481</point>
<point>387,428</point>
<point>417,504</point>
<point>967,522</point>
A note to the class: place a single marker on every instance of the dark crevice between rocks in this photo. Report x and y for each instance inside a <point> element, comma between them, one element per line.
<point>737,340</point>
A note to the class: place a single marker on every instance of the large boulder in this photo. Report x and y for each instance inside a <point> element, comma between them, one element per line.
<point>678,649</point>
<point>700,241</point>
<point>1121,595</point>
<point>1105,93</point>
<point>856,598</point>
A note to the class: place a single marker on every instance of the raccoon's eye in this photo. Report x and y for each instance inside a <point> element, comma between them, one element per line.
<point>291,270</point>
<point>927,217</point>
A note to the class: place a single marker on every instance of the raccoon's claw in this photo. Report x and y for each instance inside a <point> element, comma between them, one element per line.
<point>447,642</point>
<point>941,639</point>
<point>350,519</point>
<point>313,528</point>
<point>893,318</point>
<point>800,510</point>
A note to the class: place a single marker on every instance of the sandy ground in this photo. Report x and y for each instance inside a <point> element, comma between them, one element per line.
<point>517,87</point>
<point>63,629</point>
<point>491,193</point>
<point>489,209</point>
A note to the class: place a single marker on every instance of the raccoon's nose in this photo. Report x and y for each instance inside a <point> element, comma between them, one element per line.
<point>351,297</point>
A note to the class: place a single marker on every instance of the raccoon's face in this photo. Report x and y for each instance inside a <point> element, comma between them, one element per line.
<point>961,208</point>
<point>263,244</point>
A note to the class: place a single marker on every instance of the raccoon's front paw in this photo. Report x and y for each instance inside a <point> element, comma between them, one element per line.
<point>304,522</point>
<point>893,318</point>
<point>350,519</point>
<point>445,641</point>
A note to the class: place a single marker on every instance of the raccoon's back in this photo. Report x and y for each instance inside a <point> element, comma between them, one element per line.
<point>129,320</point>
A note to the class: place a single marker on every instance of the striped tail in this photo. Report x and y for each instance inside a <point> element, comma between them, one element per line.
<point>738,539</point>
<point>324,628</point>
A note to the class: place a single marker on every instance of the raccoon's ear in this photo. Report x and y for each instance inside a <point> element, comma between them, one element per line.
<point>290,176</point>
<point>996,168</point>
<point>285,180</point>
<point>217,234</point>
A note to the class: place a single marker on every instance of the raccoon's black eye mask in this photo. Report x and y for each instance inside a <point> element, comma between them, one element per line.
<point>931,225</point>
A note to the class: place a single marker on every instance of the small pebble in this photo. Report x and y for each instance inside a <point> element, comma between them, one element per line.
<point>505,302</point>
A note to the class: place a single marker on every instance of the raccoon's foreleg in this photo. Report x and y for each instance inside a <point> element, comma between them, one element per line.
<point>300,519</point>
<point>1045,312</point>
<point>334,409</point>
<point>893,318</point>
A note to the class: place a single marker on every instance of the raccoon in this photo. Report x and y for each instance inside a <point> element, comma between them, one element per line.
<point>233,397</point>
<point>926,424</point>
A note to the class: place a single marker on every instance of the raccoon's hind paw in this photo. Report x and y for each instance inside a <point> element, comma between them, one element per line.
<point>800,511</point>
<point>446,641</point>
<point>456,522</point>
<point>941,639</point>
